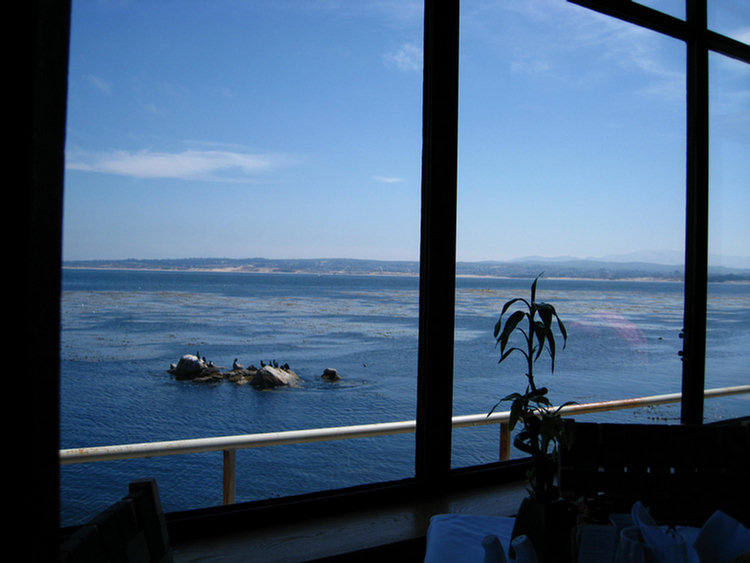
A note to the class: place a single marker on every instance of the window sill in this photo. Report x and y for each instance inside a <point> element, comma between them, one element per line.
<point>397,524</point>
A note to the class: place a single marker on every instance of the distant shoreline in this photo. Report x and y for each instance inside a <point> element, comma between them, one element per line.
<point>571,269</point>
<point>362,274</point>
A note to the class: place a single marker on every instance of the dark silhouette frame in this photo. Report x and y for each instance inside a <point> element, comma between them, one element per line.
<point>41,93</point>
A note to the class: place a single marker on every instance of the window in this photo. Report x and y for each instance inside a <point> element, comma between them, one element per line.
<point>226,131</point>
<point>571,165</point>
<point>729,202</point>
<point>437,282</point>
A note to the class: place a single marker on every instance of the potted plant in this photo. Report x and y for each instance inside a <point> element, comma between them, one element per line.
<point>527,331</point>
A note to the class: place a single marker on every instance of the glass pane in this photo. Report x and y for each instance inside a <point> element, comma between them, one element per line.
<point>728,318</point>
<point>247,175</point>
<point>572,164</point>
<point>730,18</point>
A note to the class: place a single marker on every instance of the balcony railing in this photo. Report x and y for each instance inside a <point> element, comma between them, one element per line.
<point>230,444</point>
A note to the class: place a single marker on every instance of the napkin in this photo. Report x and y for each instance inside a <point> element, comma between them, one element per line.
<point>664,545</point>
<point>722,539</point>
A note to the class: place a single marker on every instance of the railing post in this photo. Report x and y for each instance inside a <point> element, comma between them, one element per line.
<point>230,476</point>
<point>504,441</point>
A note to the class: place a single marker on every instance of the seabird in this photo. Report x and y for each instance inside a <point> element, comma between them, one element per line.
<point>235,365</point>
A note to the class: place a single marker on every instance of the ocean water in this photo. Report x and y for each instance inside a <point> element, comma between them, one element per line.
<point>122,329</point>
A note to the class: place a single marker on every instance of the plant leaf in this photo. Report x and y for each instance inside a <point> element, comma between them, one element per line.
<point>564,332</point>
<point>510,326</point>
<point>551,343</point>
<point>540,332</point>
<point>507,305</point>
<point>516,409</point>
<point>509,351</point>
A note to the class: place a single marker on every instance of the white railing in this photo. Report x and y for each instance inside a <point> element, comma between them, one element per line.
<point>230,444</point>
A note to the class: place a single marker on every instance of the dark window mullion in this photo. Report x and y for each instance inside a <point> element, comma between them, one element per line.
<point>727,46</point>
<point>438,241</point>
<point>638,14</point>
<point>696,219</point>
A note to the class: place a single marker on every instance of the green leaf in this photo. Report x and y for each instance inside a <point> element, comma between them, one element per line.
<point>560,325</point>
<point>516,409</point>
<point>565,404</point>
<point>551,342</point>
<point>540,332</point>
<point>493,409</point>
<point>508,352</point>
<point>541,400</point>
<point>545,313</point>
<point>507,305</point>
<point>510,326</point>
<point>564,333</point>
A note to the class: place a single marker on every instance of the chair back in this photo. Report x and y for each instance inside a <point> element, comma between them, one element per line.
<point>683,473</point>
<point>132,530</point>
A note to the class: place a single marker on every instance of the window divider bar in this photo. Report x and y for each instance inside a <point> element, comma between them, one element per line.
<point>727,46</point>
<point>640,15</point>
<point>438,243</point>
<point>660,22</point>
<point>696,219</point>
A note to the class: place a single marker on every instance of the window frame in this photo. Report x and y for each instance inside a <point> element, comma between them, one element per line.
<point>699,41</point>
<point>44,137</point>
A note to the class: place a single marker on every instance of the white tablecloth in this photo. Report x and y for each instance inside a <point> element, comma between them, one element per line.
<point>457,538</point>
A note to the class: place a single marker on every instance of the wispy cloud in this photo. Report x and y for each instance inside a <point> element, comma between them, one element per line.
<point>100,84</point>
<point>388,179</point>
<point>186,165</point>
<point>742,34</point>
<point>545,35</point>
<point>407,57</point>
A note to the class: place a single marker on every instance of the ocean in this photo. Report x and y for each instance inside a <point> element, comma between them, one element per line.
<point>121,330</point>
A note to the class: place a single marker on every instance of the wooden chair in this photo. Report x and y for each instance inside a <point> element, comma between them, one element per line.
<point>683,473</point>
<point>132,530</point>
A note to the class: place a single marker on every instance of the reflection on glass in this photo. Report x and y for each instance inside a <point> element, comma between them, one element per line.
<point>571,148</point>
<point>203,137</point>
<point>728,328</point>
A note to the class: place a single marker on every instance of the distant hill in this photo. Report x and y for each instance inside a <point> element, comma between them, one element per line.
<point>525,268</point>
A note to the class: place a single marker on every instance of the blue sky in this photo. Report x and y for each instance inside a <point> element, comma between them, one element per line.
<point>292,129</point>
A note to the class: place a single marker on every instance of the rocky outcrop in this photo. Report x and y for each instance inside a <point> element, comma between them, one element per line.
<point>330,374</point>
<point>194,368</point>
<point>270,376</point>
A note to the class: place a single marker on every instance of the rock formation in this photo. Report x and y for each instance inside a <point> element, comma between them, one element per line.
<point>269,376</point>
<point>194,368</point>
<point>330,374</point>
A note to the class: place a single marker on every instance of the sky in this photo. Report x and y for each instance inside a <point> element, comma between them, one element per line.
<point>292,129</point>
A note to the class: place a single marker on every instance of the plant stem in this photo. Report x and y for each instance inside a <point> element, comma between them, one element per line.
<point>530,339</point>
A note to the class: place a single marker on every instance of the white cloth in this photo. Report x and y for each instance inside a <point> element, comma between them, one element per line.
<point>719,540</point>
<point>722,539</point>
<point>457,538</point>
